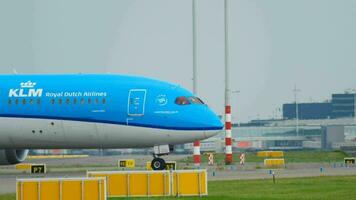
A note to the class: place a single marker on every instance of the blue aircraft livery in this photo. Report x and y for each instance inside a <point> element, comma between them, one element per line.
<point>98,111</point>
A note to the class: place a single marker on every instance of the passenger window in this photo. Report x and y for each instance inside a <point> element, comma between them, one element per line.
<point>31,101</point>
<point>182,101</point>
<point>17,101</point>
<point>89,101</point>
<point>82,101</point>
<point>9,102</point>
<point>104,101</point>
<point>24,101</point>
<point>96,101</point>
<point>67,101</point>
<point>38,101</point>
<point>75,101</point>
<point>60,101</point>
<point>52,101</point>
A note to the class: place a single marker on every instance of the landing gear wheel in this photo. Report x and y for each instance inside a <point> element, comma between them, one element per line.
<point>158,164</point>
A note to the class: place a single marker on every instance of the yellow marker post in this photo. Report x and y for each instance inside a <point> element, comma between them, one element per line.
<point>32,168</point>
<point>349,160</point>
<point>171,165</point>
<point>38,169</point>
<point>128,163</point>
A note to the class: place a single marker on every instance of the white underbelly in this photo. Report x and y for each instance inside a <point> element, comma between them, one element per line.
<point>18,133</point>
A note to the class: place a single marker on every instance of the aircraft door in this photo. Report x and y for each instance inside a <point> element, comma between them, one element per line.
<point>136,102</point>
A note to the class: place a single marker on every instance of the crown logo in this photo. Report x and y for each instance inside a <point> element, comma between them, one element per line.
<point>162,100</point>
<point>28,84</point>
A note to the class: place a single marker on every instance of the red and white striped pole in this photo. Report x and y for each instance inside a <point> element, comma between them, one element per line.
<point>228,140</point>
<point>196,153</point>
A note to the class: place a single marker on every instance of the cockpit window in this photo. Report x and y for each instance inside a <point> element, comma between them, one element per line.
<point>195,100</point>
<point>188,100</point>
<point>182,101</point>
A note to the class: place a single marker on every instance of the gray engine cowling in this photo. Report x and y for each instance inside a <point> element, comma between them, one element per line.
<point>12,157</point>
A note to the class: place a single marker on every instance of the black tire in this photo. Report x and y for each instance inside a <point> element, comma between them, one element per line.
<point>158,164</point>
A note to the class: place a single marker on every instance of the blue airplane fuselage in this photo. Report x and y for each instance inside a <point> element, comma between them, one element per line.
<point>113,99</point>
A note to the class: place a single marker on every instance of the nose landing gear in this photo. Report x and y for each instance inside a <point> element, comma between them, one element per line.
<point>157,162</point>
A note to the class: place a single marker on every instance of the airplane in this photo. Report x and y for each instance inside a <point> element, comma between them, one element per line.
<point>92,111</point>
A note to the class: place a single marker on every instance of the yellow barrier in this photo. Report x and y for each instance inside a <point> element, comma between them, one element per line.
<point>128,163</point>
<point>154,183</point>
<point>170,165</point>
<point>189,183</point>
<point>270,154</point>
<point>136,183</point>
<point>274,162</point>
<point>61,189</point>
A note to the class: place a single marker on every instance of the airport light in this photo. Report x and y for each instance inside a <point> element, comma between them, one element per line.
<point>196,151</point>
<point>353,91</point>
<point>228,126</point>
<point>296,90</point>
<point>195,70</point>
<point>355,109</point>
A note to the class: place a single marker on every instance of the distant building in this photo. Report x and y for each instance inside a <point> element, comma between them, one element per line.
<point>343,105</point>
<point>307,111</point>
<point>332,135</point>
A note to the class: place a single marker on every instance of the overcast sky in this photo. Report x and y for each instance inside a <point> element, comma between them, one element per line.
<point>275,44</point>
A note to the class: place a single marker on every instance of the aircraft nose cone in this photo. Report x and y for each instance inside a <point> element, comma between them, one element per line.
<point>214,123</point>
<point>218,124</point>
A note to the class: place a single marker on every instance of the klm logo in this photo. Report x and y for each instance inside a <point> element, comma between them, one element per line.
<point>27,90</point>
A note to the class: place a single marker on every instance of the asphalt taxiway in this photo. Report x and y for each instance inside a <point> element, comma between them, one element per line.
<point>77,168</point>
